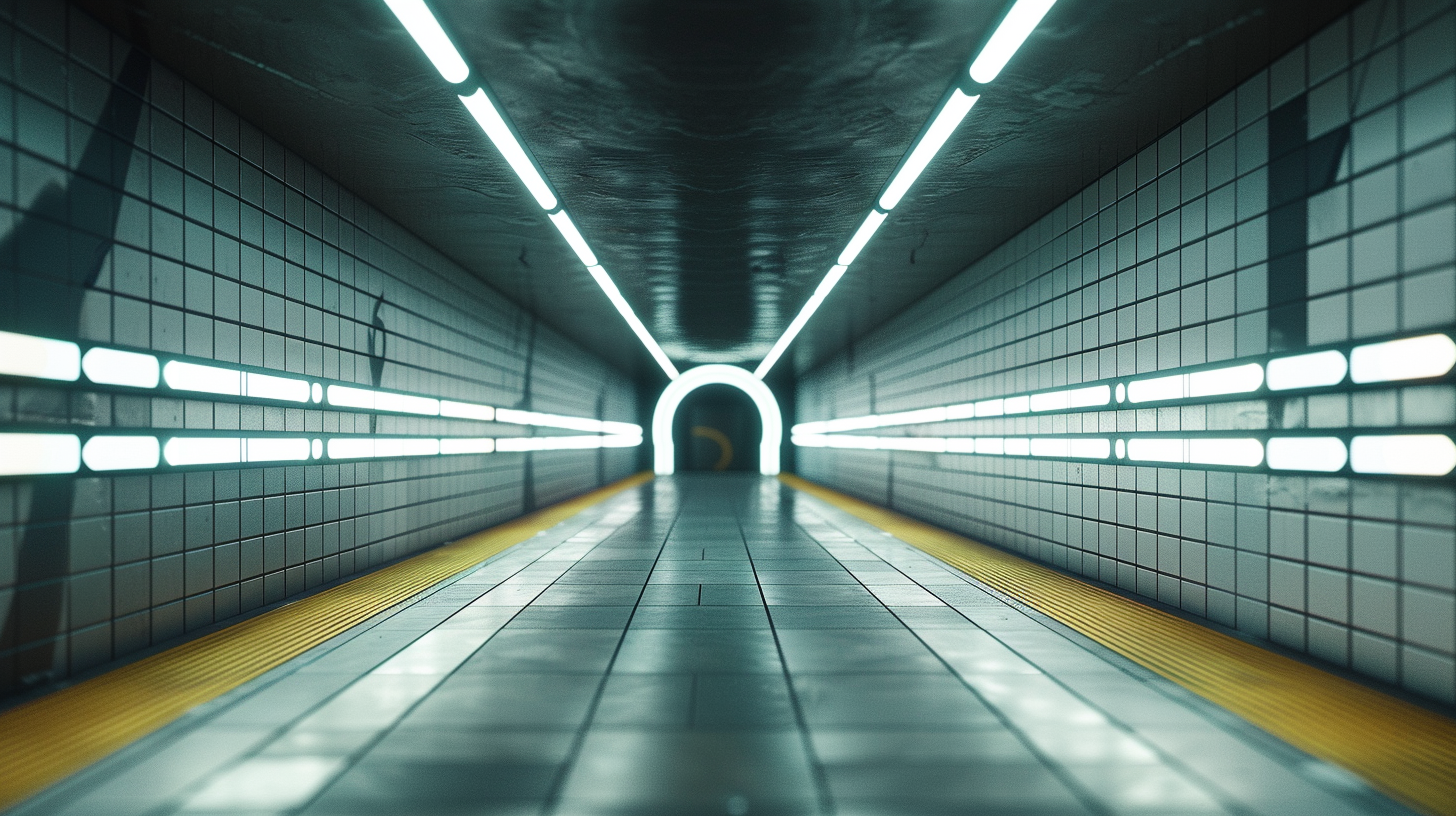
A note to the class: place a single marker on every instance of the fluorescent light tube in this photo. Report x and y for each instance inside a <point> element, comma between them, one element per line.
<point>115,367</point>
<point>267,386</point>
<point>121,452</point>
<point>1306,371</point>
<point>1018,447</point>
<point>431,38</point>
<point>1414,358</point>
<point>820,293</point>
<point>965,410</point>
<point>1412,455</point>
<point>1010,34</point>
<point>466,410</point>
<point>1072,398</point>
<point>1156,389</point>
<point>34,454</point>
<point>406,404</point>
<point>861,237</point>
<point>344,396</point>
<point>484,110</point>
<point>351,448</point>
<point>1228,452</point>
<point>990,408</point>
<point>1016,405</point>
<point>207,379</point>
<point>409,446</point>
<point>946,120</point>
<point>1322,454</point>
<point>24,356</point>
<point>1157,450</point>
<point>467,445</point>
<point>625,310</point>
<point>568,230</point>
<point>1220,381</point>
<point>203,450</point>
<point>990,446</point>
<point>265,449</point>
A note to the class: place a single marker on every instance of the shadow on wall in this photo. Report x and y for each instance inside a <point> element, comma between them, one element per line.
<point>62,239</point>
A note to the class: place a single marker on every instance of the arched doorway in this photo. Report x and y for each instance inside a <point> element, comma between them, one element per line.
<point>663,450</point>
<point>717,428</point>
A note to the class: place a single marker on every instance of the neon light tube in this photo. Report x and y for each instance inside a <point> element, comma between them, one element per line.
<point>406,404</point>
<point>1220,381</point>
<point>568,230</point>
<point>1306,370</point>
<point>663,450</point>
<point>431,38</point>
<point>1010,34</point>
<point>625,310</point>
<point>861,237</point>
<point>466,410</point>
<point>351,448</point>
<point>121,452</point>
<point>203,451</point>
<point>820,292</point>
<point>35,454</point>
<point>1414,358</point>
<point>490,120</point>
<point>115,367</point>
<point>1089,397</point>
<point>344,396</point>
<point>1228,452</point>
<point>945,123</point>
<point>459,445</point>
<point>1322,454</point>
<point>267,386</point>
<point>409,446</point>
<point>1412,455</point>
<point>266,449</point>
<point>206,379</point>
<point>1016,405</point>
<point>24,356</point>
<point>523,444</point>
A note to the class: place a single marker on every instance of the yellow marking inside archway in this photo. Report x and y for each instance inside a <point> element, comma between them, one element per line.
<point>725,445</point>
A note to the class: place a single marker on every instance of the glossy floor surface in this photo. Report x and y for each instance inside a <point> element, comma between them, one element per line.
<point>710,644</point>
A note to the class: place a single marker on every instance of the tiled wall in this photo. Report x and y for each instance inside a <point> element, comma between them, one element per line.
<point>1313,205</point>
<point>137,212</point>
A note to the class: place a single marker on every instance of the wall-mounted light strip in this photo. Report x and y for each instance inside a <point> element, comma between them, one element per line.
<point>34,454</point>
<point>1418,454</point>
<point>1424,357</point>
<point>1004,42</point>
<point>53,360</point>
<point>578,244</point>
<point>22,355</point>
<point>105,453</point>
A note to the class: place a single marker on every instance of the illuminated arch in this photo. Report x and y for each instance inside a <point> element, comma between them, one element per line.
<point>664,455</point>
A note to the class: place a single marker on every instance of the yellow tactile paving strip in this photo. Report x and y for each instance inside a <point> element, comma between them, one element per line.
<point>47,739</point>
<point>1403,749</point>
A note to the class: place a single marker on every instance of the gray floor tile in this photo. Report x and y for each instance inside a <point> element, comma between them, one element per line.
<point>700,617</point>
<point>653,651</point>
<point>565,651</point>
<point>830,651</point>
<point>572,617</point>
<point>550,701</point>
<point>902,701</point>
<point>730,595</point>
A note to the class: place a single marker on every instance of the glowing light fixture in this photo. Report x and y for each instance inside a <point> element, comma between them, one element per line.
<point>431,38</point>
<point>466,410</point>
<point>521,444</point>
<point>1306,370</point>
<point>268,386</point>
<point>22,355</point>
<point>1199,451</point>
<point>121,452</point>
<point>490,120</point>
<point>1408,455</point>
<point>1321,454</point>
<point>272,449</point>
<point>206,379</point>
<point>946,120</point>
<point>861,237</point>
<point>35,454</point>
<point>1413,358</point>
<point>347,396</point>
<point>797,325</point>
<point>625,310</point>
<point>460,445</point>
<point>587,424</point>
<point>568,230</point>
<point>203,451</point>
<point>1072,398</point>
<point>663,452</point>
<point>1214,382</point>
<point>115,367</point>
<point>1004,43</point>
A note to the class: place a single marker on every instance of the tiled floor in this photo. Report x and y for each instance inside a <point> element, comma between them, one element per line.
<point>714,645</point>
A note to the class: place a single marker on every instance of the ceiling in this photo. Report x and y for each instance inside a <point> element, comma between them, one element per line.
<point>717,154</point>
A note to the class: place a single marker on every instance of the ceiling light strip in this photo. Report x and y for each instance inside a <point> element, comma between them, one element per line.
<point>815,300</point>
<point>421,24</point>
<point>488,116</point>
<point>1004,42</point>
<point>1008,37</point>
<point>625,310</point>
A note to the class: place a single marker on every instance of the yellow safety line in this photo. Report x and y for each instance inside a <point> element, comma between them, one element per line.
<point>1401,748</point>
<point>51,737</point>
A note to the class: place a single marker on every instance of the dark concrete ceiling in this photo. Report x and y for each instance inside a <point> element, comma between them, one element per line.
<point>717,154</point>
